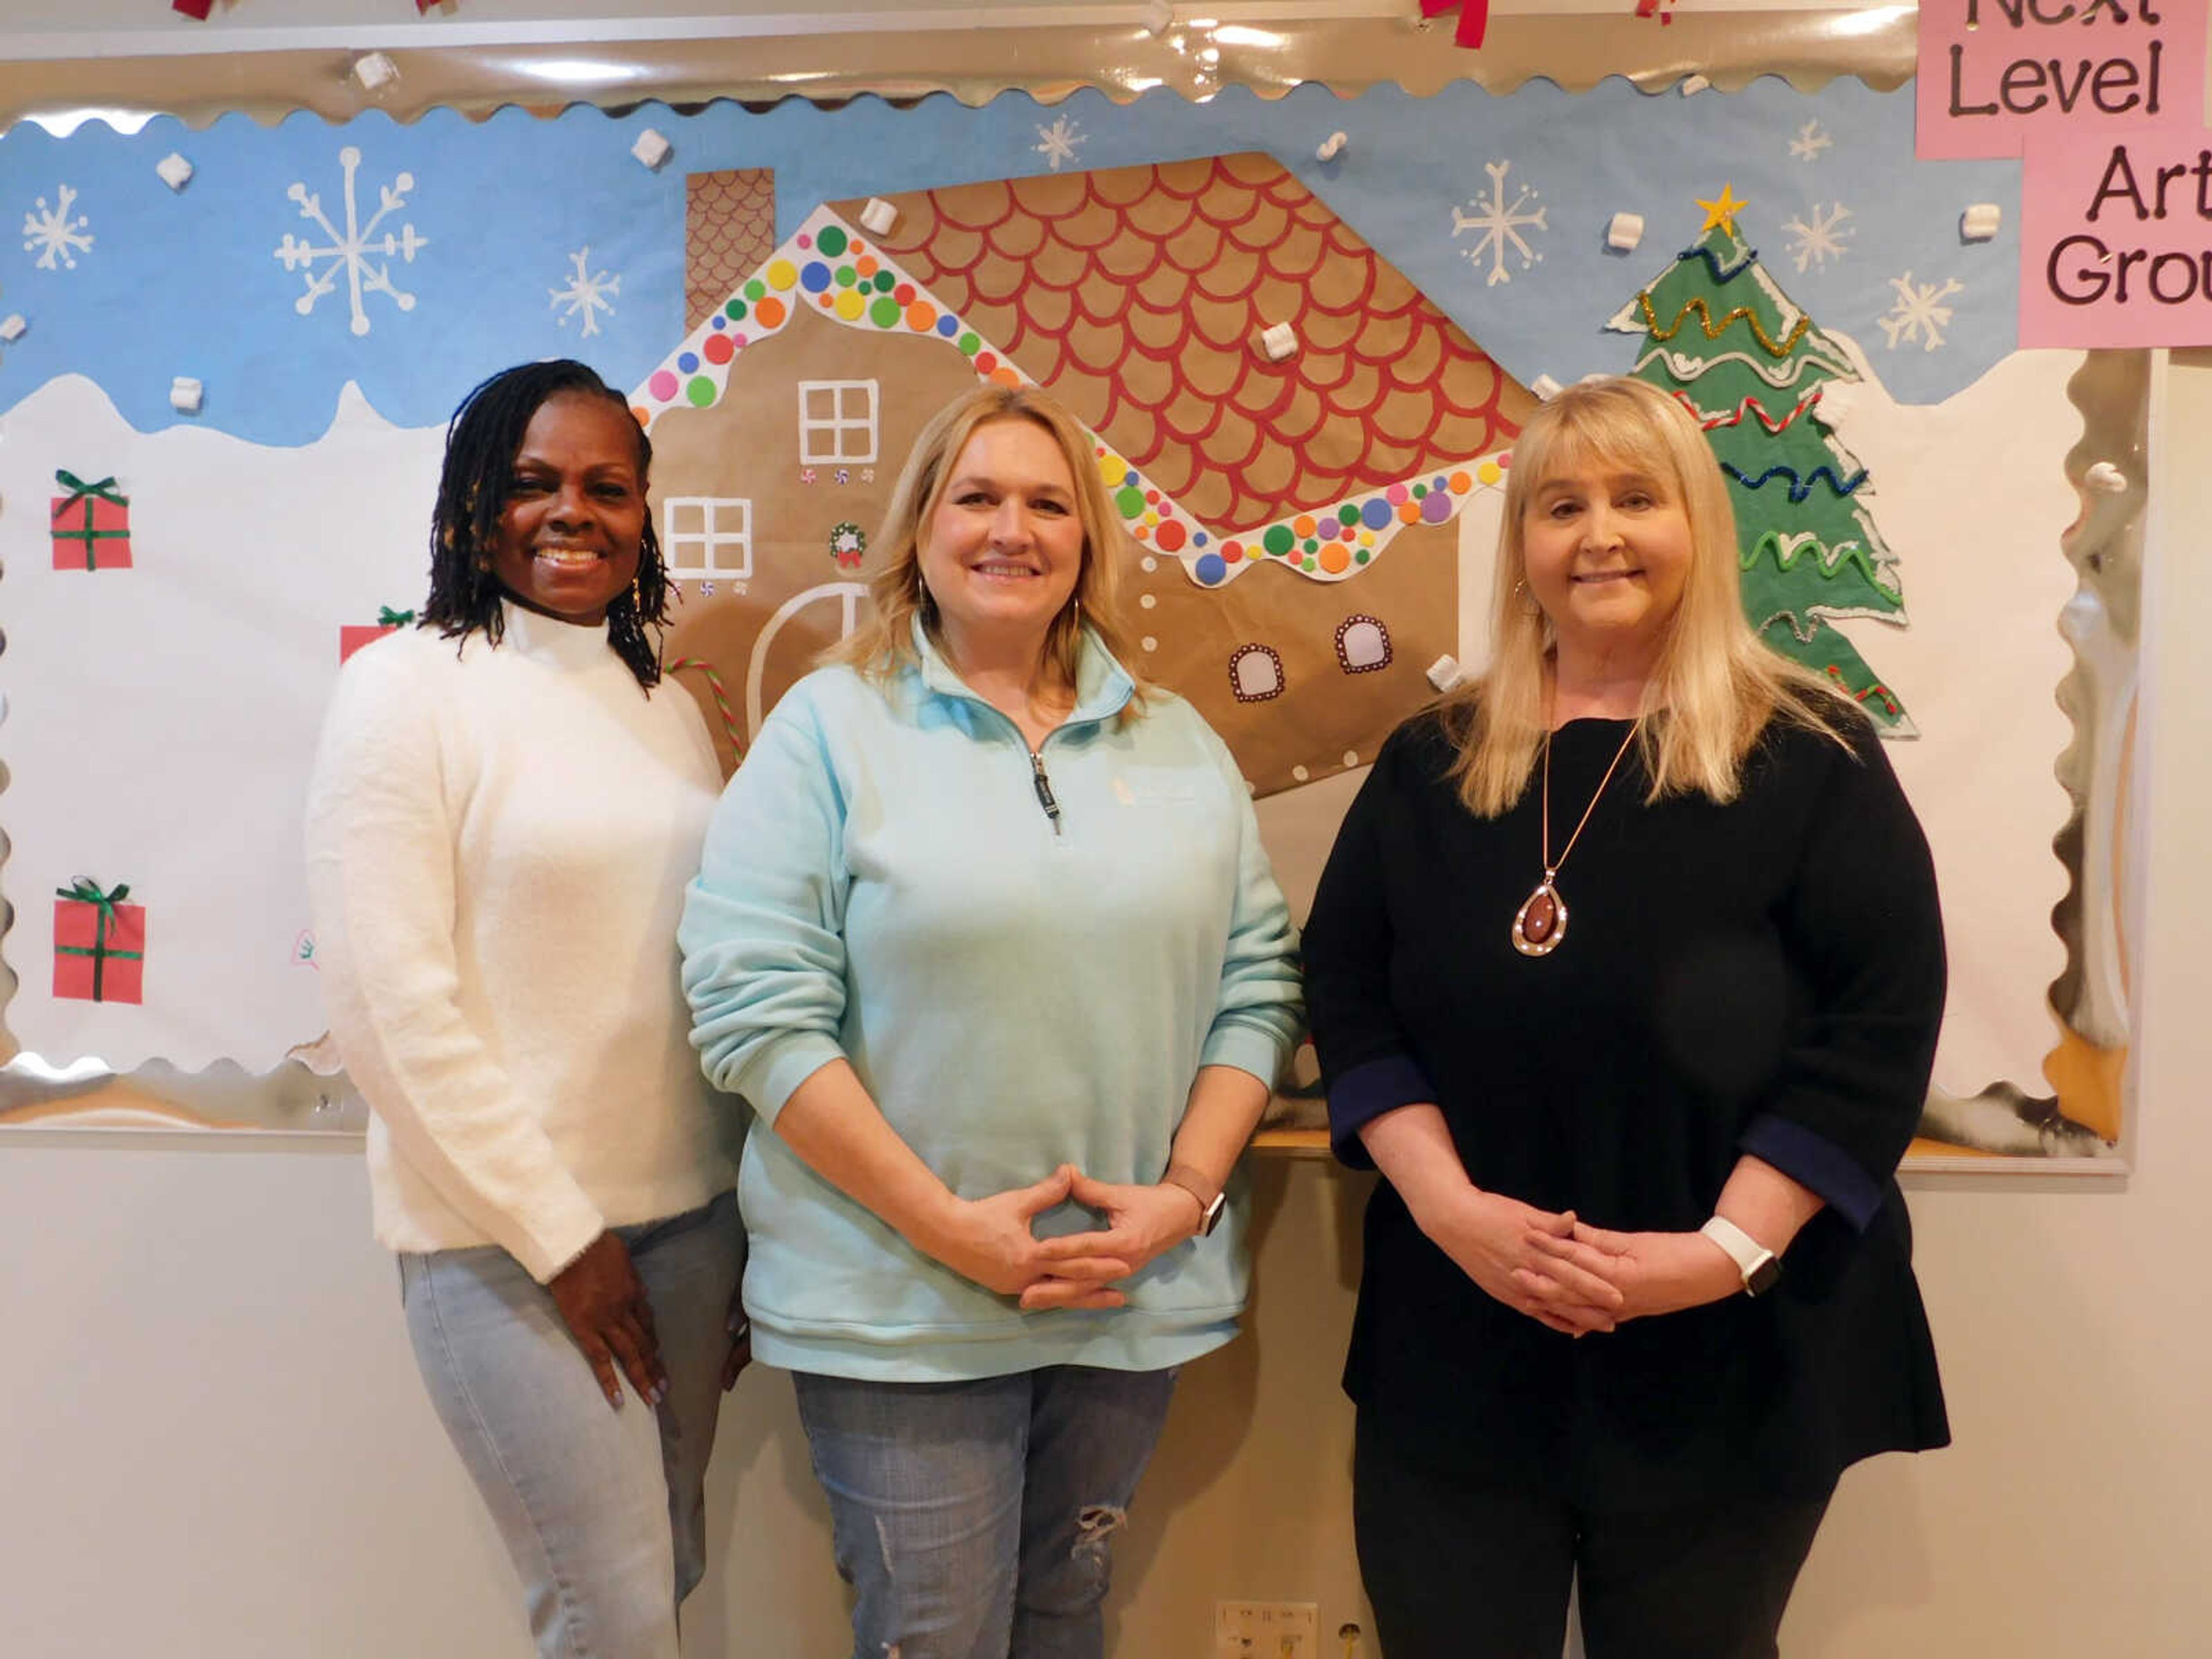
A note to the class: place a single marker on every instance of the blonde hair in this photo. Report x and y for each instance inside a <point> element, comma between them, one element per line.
<point>884,644</point>
<point>1714,688</point>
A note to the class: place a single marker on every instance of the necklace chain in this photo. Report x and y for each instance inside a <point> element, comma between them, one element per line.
<point>1550,868</point>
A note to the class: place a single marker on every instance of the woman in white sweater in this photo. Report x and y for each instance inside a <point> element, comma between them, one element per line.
<point>507,803</point>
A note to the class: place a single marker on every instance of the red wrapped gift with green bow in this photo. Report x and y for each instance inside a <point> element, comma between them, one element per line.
<point>100,944</point>
<point>353,636</point>
<point>90,526</point>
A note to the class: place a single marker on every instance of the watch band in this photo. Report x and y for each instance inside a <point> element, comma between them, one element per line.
<point>1211,1200</point>
<point>1760,1267</point>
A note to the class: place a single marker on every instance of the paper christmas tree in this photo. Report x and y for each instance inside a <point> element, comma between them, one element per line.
<point>1721,334</point>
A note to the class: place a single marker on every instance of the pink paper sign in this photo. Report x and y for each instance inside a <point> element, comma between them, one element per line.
<point>2116,239</point>
<point>1993,72</point>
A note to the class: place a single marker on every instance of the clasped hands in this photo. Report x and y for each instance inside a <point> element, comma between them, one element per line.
<point>989,1240</point>
<point>1572,1277</point>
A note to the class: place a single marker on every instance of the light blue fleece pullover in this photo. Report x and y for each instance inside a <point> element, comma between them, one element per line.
<point>881,882</point>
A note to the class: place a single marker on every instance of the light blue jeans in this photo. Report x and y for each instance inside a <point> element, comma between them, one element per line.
<point>602,1510</point>
<point>975,1518</point>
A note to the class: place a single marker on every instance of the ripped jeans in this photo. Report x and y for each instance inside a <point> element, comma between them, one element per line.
<point>975,1519</point>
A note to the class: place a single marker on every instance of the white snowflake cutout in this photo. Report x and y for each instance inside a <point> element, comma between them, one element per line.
<point>1058,141</point>
<point>1501,223</point>
<point>587,294</point>
<point>350,251</point>
<point>1918,315</point>
<point>56,234</point>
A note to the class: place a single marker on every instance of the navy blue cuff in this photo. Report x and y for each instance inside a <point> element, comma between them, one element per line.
<point>1363,1094</point>
<point>1817,1164</point>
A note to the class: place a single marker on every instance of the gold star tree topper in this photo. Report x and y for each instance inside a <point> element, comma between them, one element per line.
<point>1721,211</point>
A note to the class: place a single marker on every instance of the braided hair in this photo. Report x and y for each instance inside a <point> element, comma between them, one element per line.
<point>481,444</point>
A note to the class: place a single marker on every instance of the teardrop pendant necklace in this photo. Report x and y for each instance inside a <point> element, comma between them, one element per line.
<point>1542,922</point>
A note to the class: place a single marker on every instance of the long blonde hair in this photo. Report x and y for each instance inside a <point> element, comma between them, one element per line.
<point>1715,686</point>
<point>884,644</point>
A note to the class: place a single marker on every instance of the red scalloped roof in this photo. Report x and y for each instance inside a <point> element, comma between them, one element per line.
<point>1138,296</point>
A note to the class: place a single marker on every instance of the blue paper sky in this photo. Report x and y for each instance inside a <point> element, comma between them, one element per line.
<point>189,283</point>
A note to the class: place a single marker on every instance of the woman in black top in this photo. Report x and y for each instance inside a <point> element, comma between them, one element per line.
<point>1625,971</point>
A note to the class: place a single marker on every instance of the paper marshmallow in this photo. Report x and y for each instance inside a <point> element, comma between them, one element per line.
<point>1443,673</point>
<point>877,216</point>
<point>175,171</point>
<point>12,329</point>
<point>1625,231</point>
<point>1332,147</point>
<point>1979,223</point>
<point>1544,387</point>
<point>2104,478</point>
<point>652,149</point>
<point>1278,341</point>
<point>185,395</point>
<point>1695,84</point>
<point>375,71</point>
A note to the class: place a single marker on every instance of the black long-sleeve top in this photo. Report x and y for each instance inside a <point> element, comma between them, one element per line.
<point>1763,976</point>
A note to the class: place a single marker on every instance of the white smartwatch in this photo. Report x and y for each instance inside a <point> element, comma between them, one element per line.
<point>1760,1267</point>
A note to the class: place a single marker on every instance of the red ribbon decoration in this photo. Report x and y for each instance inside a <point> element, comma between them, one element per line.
<point>1474,17</point>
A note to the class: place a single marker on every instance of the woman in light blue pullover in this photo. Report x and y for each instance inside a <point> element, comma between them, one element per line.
<point>985,933</point>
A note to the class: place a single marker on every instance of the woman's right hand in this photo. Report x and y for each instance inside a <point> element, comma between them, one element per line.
<point>603,1303</point>
<point>989,1240</point>
<point>1494,1239</point>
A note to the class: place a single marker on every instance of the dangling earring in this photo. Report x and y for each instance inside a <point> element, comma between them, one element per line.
<point>1528,600</point>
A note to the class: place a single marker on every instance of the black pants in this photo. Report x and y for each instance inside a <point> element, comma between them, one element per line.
<point>1460,1573</point>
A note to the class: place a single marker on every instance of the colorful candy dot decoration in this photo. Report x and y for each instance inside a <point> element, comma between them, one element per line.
<point>920,318</point>
<point>1395,495</point>
<point>815,278</point>
<point>686,362</point>
<point>1362,556</point>
<point>903,294</point>
<point>1005,376</point>
<point>844,277</point>
<point>1129,502</point>
<point>1302,526</point>
<point>1490,472</point>
<point>756,291</point>
<point>866,267</point>
<point>735,311</point>
<point>1112,469</point>
<point>850,305</point>
<point>1409,512</point>
<point>770,311</point>
<point>885,313</point>
<point>662,386</point>
<point>1334,559</point>
<point>1209,569</point>
<point>701,390</point>
<point>832,240</point>
<point>1231,551</point>
<point>804,240</point>
<point>970,343</point>
<point>1375,513</point>
<point>1437,507</point>
<point>948,325</point>
<point>1460,483</point>
<point>1348,514</point>
<point>1420,490</point>
<point>1278,540</point>
<point>886,282</point>
<point>718,349</point>
<point>1198,539</point>
<point>781,275</point>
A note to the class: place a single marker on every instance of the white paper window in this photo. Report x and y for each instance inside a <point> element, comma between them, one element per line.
<point>837,420</point>
<point>704,537</point>
<point>1256,673</point>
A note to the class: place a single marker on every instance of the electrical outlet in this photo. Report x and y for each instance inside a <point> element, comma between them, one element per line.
<point>1266,1630</point>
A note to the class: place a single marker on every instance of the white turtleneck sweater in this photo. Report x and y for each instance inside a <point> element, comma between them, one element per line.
<point>498,840</point>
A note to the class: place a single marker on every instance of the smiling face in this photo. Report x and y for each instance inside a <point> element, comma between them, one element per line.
<point>570,529</point>
<point>1002,551</point>
<point>1607,550</point>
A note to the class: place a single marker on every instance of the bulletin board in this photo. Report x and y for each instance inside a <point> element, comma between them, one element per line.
<point>1302,322</point>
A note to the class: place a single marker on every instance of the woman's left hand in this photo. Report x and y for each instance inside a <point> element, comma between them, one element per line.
<point>1142,1222</point>
<point>1655,1272</point>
